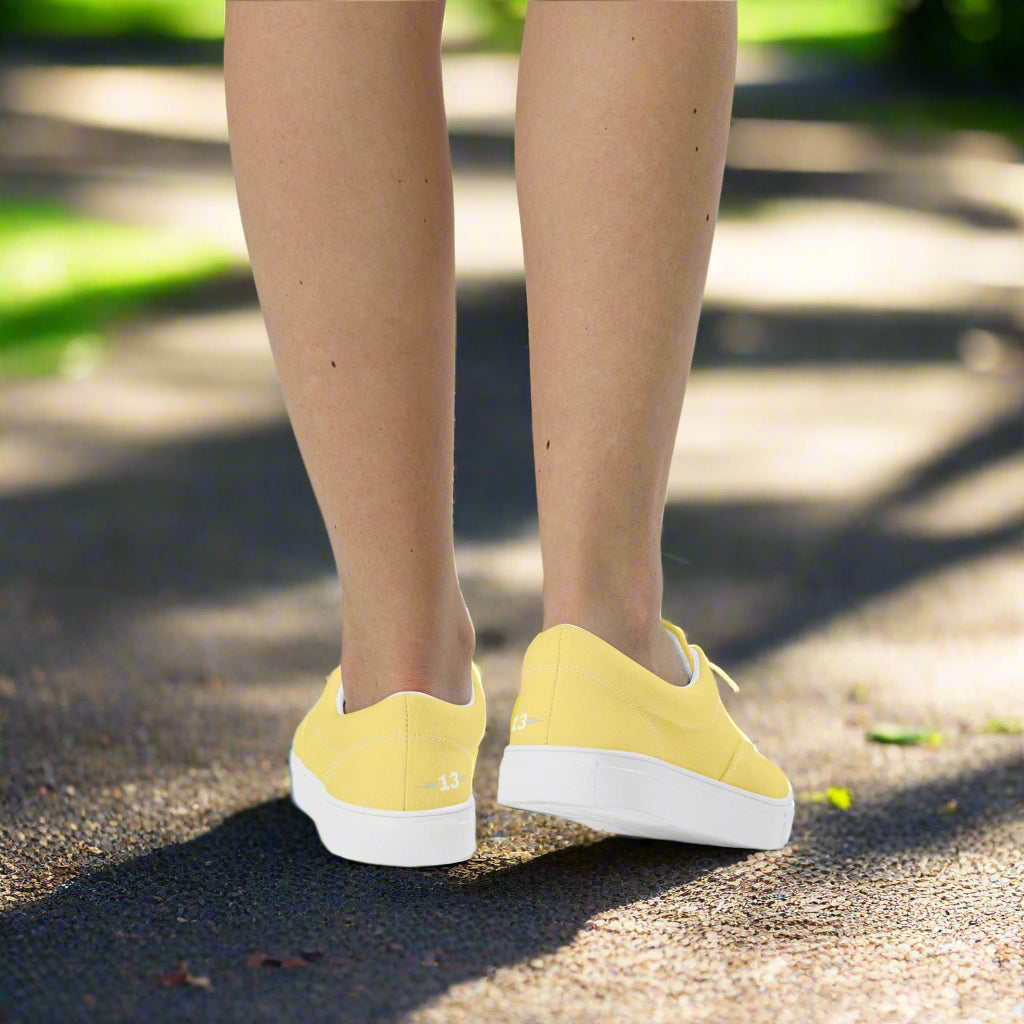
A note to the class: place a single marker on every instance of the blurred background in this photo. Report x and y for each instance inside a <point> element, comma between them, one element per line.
<point>846,508</point>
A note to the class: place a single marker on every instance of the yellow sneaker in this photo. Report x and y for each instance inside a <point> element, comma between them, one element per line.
<point>599,739</point>
<point>391,783</point>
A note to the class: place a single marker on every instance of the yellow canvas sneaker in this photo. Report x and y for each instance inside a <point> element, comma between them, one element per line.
<point>599,739</point>
<point>391,783</point>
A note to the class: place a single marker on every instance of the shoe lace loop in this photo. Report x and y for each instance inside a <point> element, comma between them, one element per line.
<point>725,675</point>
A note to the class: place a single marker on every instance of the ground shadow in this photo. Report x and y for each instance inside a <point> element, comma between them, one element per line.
<point>204,518</point>
<point>393,939</point>
<point>832,568</point>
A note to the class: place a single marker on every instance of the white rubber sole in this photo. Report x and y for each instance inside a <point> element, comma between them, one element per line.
<point>410,839</point>
<point>636,795</point>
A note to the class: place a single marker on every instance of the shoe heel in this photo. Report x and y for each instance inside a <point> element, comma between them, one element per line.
<point>445,835</point>
<point>635,795</point>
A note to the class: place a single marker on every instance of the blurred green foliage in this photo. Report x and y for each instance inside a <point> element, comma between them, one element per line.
<point>65,278</point>
<point>957,41</point>
<point>960,42</point>
<point>929,113</point>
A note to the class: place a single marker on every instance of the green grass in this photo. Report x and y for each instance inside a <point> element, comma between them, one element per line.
<point>767,21</point>
<point>187,19</point>
<point>66,279</point>
<point>860,28</point>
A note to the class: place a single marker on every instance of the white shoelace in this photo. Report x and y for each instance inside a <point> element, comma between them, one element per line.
<point>693,656</point>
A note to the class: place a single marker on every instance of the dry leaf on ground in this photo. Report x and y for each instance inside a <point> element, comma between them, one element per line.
<point>180,976</point>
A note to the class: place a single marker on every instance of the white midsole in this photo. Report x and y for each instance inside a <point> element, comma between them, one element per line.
<point>441,835</point>
<point>635,794</point>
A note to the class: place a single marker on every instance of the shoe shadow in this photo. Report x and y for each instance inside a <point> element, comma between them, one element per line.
<point>391,939</point>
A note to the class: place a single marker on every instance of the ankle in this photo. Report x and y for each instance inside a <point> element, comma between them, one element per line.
<point>630,613</point>
<point>436,662</point>
<point>367,683</point>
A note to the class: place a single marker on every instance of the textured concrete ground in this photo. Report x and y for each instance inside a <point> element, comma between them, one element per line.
<point>844,533</point>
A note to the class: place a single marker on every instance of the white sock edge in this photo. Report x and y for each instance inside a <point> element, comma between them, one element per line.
<point>682,655</point>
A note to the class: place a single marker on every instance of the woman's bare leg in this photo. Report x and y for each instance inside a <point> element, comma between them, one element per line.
<point>621,126</point>
<point>340,153</point>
